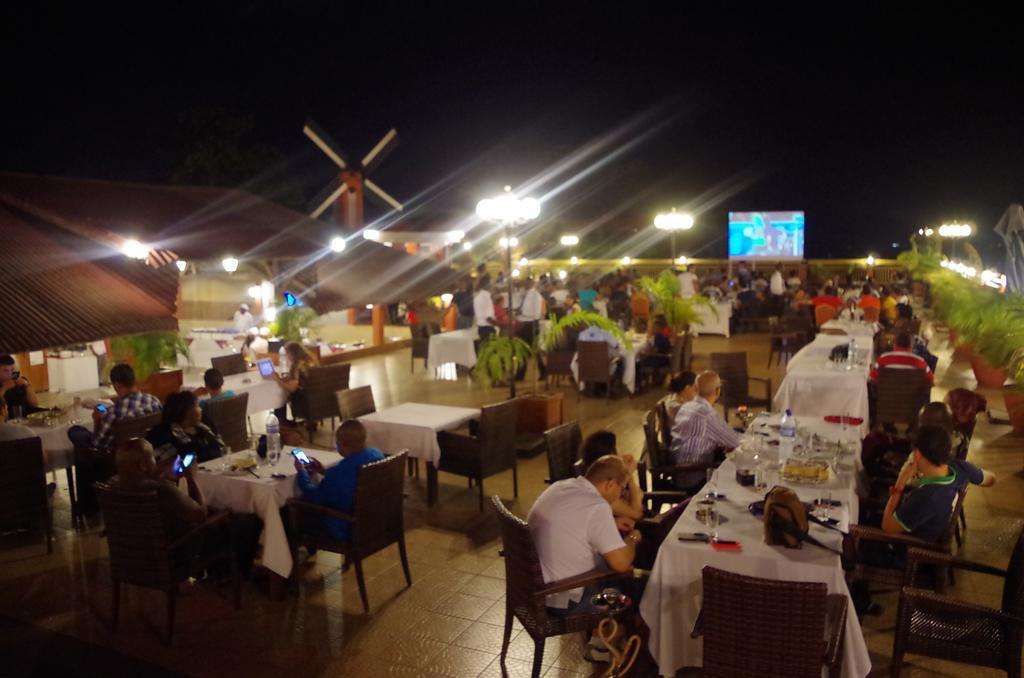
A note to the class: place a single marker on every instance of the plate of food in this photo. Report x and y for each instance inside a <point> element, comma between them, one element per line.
<point>807,471</point>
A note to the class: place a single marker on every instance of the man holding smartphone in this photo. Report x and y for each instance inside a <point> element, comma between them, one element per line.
<point>15,389</point>
<point>139,469</point>
<point>337,487</point>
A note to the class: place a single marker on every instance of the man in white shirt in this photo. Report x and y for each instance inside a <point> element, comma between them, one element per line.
<point>688,284</point>
<point>531,310</point>
<point>698,431</point>
<point>574,532</point>
<point>777,287</point>
<point>560,294</point>
<point>483,308</point>
<point>243,319</point>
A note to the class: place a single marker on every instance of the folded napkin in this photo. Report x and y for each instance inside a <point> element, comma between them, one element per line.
<point>852,421</point>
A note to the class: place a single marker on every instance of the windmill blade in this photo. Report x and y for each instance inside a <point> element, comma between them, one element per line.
<point>379,192</point>
<point>377,154</point>
<point>326,197</point>
<point>325,143</point>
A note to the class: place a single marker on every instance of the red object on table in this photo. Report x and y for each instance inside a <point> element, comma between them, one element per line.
<point>718,546</point>
<point>852,421</point>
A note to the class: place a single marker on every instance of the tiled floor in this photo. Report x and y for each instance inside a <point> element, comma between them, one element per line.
<point>449,622</point>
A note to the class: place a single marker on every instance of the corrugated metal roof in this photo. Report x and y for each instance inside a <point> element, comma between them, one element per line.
<point>62,288</point>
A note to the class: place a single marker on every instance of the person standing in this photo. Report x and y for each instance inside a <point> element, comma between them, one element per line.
<point>689,285</point>
<point>530,312</point>
<point>243,319</point>
<point>462,300</point>
<point>483,308</point>
<point>777,288</point>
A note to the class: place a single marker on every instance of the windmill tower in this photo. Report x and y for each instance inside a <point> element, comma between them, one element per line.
<point>347,189</point>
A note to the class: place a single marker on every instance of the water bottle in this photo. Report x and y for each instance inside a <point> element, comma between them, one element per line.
<point>273,439</point>
<point>787,436</point>
<point>851,354</point>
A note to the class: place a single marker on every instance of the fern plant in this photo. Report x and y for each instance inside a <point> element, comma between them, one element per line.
<point>147,352</point>
<point>556,334</point>
<point>500,356</point>
<point>679,313</point>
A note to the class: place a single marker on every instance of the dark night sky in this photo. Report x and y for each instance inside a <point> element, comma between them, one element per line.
<point>874,122</point>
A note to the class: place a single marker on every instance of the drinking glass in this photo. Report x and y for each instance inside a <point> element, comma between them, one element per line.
<point>823,505</point>
<point>16,412</point>
<point>709,489</point>
<point>714,518</point>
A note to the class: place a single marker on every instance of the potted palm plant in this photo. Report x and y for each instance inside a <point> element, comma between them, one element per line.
<point>147,353</point>
<point>292,323</point>
<point>680,313</point>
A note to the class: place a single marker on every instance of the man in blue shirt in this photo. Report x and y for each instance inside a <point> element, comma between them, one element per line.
<point>337,487</point>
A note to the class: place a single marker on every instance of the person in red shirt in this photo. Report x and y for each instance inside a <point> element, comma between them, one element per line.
<point>902,356</point>
<point>829,297</point>
<point>868,300</point>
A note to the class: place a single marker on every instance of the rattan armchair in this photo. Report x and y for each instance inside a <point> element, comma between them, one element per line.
<point>657,459</point>
<point>420,345</point>
<point>563,444</point>
<point>23,499</point>
<point>142,554</point>
<point>557,365</point>
<point>526,592</point>
<point>377,519</point>
<point>229,364</point>
<point>228,417</point>
<point>732,368</point>
<point>491,451</point>
<point>755,627</point>
<point>355,402</point>
<point>593,365</point>
<point>900,394</point>
<point>315,401</point>
<point>956,630</point>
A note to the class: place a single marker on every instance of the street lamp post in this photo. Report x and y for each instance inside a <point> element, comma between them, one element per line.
<point>507,210</point>
<point>673,221</point>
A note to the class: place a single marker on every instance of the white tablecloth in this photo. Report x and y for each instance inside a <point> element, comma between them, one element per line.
<point>264,394</point>
<point>264,496</point>
<point>204,346</point>
<point>813,386</point>
<point>709,323</point>
<point>414,426</point>
<point>857,329</point>
<point>673,596</point>
<point>820,349</point>
<point>68,375</point>
<point>452,347</point>
<point>56,444</point>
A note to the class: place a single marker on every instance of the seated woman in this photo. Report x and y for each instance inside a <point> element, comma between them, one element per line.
<point>657,352</point>
<point>299,361</point>
<point>682,389</point>
<point>629,507</point>
<point>182,430</point>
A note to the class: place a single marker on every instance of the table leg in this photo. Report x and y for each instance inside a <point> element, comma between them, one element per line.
<point>431,484</point>
<point>71,495</point>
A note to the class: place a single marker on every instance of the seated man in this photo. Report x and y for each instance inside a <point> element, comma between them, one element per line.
<point>615,351</point>
<point>902,356</point>
<point>829,298</point>
<point>628,508</point>
<point>337,488</point>
<point>213,388</point>
<point>129,403</point>
<point>698,432</point>
<point>574,532</point>
<point>15,389</point>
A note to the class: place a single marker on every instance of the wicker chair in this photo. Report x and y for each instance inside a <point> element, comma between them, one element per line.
<point>526,592</point>
<point>563,443</point>
<point>732,368</point>
<point>755,627</point>
<point>593,363</point>
<point>228,417</point>
<point>377,519</point>
<point>23,500</point>
<point>956,630</point>
<point>657,459</point>
<point>872,314</point>
<point>892,577</point>
<point>557,365</point>
<point>355,402</point>
<point>491,451</point>
<point>900,395</point>
<point>141,554</point>
<point>315,401</point>
<point>136,427</point>
<point>229,364</point>
<point>420,345</point>
<point>784,344</point>
<point>823,313</point>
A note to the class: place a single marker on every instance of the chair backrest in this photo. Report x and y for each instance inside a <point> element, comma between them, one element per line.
<point>229,364</point>
<point>318,401</point>
<point>871,314</point>
<point>571,336</point>
<point>497,435</point>
<point>559,363</point>
<point>563,444</point>
<point>355,402</point>
<point>1013,586</point>
<point>523,576</point>
<point>136,537</point>
<point>656,452</point>
<point>420,340</point>
<point>228,417</point>
<point>593,362</point>
<point>135,427</point>
<point>946,539</point>
<point>823,313</point>
<point>22,482</point>
<point>762,627</point>
<point>732,368</point>
<point>378,504</point>
<point>274,346</point>
<point>664,422</point>
<point>902,392</point>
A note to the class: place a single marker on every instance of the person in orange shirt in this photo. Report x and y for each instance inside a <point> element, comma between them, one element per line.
<point>641,307</point>
<point>868,300</point>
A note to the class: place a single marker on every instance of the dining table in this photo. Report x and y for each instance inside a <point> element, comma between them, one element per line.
<point>672,598</point>
<point>860,330</point>
<point>414,427</point>
<point>713,319</point>
<point>264,394</point>
<point>447,349</point>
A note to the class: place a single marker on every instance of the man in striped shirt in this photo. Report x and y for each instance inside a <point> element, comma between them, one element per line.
<point>902,356</point>
<point>698,431</point>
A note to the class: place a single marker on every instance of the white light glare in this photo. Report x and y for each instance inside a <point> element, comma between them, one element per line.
<point>270,314</point>
<point>569,240</point>
<point>446,298</point>
<point>871,260</point>
<point>256,292</point>
<point>505,241</point>
<point>230,264</point>
<point>574,261</point>
<point>993,279</point>
<point>627,260</point>
<point>371,234</point>
<point>681,260</point>
<point>455,236</point>
<point>562,275</point>
<point>181,264</point>
<point>524,262</point>
<point>955,230</point>
<point>467,246</point>
<point>133,249</point>
<point>515,272</point>
<point>673,221</point>
<point>508,209</point>
<point>369,307</point>
<point>338,243</point>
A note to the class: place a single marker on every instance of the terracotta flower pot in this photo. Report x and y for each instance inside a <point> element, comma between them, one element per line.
<point>987,376</point>
<point>1015,408</point>
<point>163,383</point>
<point>539,412</point>
<point>963,351</point>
